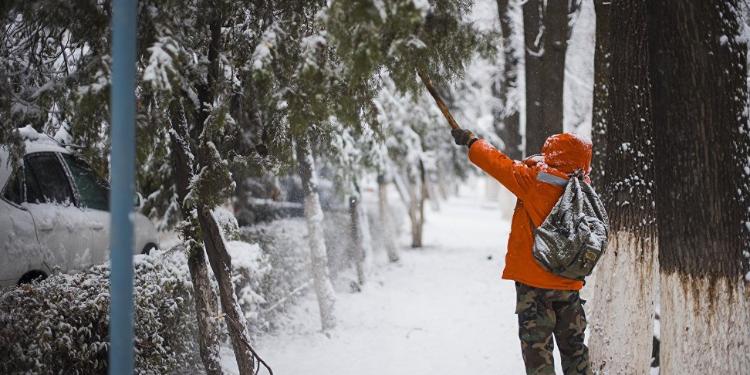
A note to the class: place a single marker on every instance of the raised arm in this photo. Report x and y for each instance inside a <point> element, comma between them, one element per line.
<point>514,175</point>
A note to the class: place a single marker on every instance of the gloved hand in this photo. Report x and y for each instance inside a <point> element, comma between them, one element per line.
<point>533,160</point>
<point>463,137</point>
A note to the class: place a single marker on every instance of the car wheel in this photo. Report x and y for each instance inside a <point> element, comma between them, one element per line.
<point>32,276</point>
<point>148,248</point>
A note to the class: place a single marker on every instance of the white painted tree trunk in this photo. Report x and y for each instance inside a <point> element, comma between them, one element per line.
<point>319,261</point>
<point>415,214</point>
<point>622,316</point>
<point>705,326</point>
<point>361,241</point>
<point>366,237</point>
<point>314,216</point>
<point>386,222</point>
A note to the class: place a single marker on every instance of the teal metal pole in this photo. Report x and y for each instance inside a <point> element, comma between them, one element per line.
<point>122,191</point>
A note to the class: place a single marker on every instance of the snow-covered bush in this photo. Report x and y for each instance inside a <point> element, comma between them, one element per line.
<point>60,325</point>
<point>230,229</point>
<point>251,268</point>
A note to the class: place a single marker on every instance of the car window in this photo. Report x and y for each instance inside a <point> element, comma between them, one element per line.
<point>13,189</point>
<point>92,190</point>
<point>46,181</point>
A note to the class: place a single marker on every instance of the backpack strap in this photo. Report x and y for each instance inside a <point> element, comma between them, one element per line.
<point>549,178</point>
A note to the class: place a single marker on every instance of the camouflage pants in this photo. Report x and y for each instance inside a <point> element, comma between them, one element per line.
<point>542,313</point>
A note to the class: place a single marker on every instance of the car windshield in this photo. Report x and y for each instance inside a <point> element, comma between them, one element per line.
<point>93,190</point>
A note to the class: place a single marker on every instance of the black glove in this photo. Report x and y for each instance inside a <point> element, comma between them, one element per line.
<point>463,137</point>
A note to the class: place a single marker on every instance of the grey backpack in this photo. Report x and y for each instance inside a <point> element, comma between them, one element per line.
<point>573,237</point>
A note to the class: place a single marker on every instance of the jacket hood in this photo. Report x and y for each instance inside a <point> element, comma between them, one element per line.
<point>567,152</point>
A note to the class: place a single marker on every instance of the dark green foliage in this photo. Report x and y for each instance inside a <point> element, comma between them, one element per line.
<point>267,71</point>
<point>53,59</point>
<point>399,37</point>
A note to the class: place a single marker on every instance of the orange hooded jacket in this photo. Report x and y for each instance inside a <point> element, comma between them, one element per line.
<point>561,154</point>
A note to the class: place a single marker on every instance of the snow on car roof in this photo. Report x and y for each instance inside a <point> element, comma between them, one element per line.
<point>34,142</point>
<point>39,142</point>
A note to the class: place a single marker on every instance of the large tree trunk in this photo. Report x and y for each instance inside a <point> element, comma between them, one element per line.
<point>546,40</point>
<point>601,105</point>
<point>206,306</point>
<point>386,222</point>
<point>623,310</point>
<point>318,252</point>
<point>698,64</point>
<point>507,119</point>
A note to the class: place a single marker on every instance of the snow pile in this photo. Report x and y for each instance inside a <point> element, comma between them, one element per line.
<point>28,133</point>
<point>60,325</point>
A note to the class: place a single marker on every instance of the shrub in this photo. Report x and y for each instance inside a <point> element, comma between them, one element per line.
<point>60,325</point>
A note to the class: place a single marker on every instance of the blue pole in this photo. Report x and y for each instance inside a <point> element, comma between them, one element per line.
<point>123,186</point>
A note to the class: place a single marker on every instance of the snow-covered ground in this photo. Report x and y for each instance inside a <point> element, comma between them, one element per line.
<point>442,310</point>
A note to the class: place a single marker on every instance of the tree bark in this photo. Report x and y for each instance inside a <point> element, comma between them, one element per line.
<point>207,311</point>
<point>624,285</point>
<point>546,41</point>
<point>623,311</point>
<point>601,105</point>
<point>386,224</point>
<point>699,75</point>
<point>314,216</point>
<point>206,306</point>
<point>221,264</point>
<point>507,119</point>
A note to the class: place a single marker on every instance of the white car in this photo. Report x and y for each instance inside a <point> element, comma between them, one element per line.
<point>54,214</point>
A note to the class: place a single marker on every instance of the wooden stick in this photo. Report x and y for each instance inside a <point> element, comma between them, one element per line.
<point>440,103</point>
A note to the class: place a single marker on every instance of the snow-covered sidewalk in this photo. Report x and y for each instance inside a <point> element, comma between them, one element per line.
<point>442,310</point>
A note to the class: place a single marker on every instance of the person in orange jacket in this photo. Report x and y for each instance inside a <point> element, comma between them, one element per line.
<point>546,304</point>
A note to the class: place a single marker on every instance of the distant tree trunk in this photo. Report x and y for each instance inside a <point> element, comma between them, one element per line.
<point>206,306</point>
<point>424,193</point>
<point>314,216</point>
<point>507,120</point>
<point>442,189</point>
<point>386,223</point>
<point>358,222</point>
<point>601,105</point>
<point>546,40</point>
<point>623,310</point>
<point>698,66</point>
<point>417,193</point>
